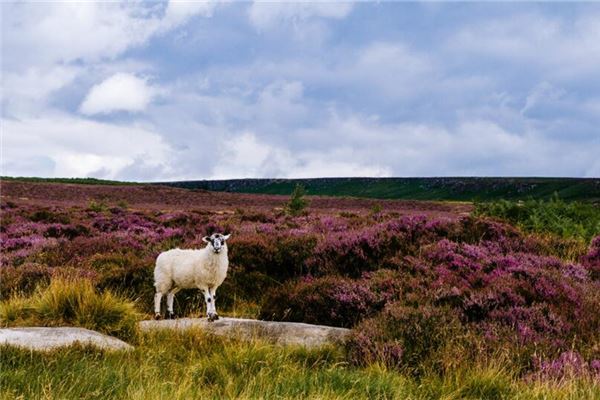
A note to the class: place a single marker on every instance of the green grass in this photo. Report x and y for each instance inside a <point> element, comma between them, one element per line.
<point>568,220</point>
<point>167,365</point>
<point>458,189</point>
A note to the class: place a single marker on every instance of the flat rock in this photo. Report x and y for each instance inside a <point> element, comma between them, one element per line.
<point>285,333</point>
<point>51,338</point>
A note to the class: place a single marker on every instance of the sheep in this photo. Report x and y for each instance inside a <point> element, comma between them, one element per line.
<point>204,269</point>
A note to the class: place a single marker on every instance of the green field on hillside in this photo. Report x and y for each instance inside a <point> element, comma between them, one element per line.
<point>461,189</point>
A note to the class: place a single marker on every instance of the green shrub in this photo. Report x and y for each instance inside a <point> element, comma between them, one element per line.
<point>574,220</point>
<point>97,206</point>
<point>297,203</point>
<point>376,208</point>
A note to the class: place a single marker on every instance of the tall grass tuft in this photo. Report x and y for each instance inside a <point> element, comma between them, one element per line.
<point>73,303</point>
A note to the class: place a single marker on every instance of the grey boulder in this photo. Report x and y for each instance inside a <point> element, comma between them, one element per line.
<point>51,338</point>
<point>285,333</point>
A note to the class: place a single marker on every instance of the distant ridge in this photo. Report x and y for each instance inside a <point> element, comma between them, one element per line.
<point>459,189</point>
<point>453,188</point>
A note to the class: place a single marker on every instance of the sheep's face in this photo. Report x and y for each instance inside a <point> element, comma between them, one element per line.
<point>216,241</point>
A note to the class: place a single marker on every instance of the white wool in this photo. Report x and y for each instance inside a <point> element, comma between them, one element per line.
<point>188,269</point>
<point>203,269</point>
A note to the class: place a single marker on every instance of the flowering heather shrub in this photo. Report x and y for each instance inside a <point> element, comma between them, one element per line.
<point>592,259</point>
<point>22,280</point>
<point>49,216</point>
<point>279,256</point>
<point>66,231</point>
<point>500,285</point>
<point>568,364</point>
<point>250,216</point>
<point>330,300</point>
<point>402,336</point>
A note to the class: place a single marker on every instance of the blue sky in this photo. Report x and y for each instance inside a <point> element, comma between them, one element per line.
<point>199,90</point>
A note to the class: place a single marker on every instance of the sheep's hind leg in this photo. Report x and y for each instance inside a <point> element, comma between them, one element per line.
<point>157,298</point>
<point>170,298</point>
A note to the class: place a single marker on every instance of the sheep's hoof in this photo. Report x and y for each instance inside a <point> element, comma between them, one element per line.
<point>213,317</point>
<point>157,316</point>
<point>172,316</point>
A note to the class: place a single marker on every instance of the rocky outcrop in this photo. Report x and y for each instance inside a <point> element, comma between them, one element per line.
<point>51,338</point>
<point>276,332</point>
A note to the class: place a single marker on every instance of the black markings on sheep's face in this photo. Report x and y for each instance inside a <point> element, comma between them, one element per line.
<point>216,241</point>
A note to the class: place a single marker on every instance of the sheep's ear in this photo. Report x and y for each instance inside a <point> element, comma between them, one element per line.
<point>225,237</point>
<point>206,239</point>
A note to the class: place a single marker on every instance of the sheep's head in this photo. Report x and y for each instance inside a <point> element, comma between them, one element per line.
<point>216,241</point>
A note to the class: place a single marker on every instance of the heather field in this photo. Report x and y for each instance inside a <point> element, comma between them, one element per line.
<point>446,300</point>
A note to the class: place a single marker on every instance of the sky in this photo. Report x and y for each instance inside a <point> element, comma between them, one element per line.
<point>172,90</point>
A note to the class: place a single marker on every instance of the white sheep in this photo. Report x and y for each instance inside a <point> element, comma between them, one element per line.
<point>204,269</point>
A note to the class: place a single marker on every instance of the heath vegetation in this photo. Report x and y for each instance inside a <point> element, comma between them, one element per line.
<point>500,303</point>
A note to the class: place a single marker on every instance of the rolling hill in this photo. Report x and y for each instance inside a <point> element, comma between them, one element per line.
<point>458,189</point>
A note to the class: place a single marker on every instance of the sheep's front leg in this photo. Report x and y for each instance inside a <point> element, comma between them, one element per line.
<point>211,311</point>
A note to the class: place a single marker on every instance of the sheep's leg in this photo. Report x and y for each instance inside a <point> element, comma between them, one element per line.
<point>170,298</point>
<point>157,298</point>
<point>212,293</point>
<point>211,313</point>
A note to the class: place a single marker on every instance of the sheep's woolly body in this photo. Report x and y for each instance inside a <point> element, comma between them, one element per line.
<point>203,269</point>
<point>187,269</point>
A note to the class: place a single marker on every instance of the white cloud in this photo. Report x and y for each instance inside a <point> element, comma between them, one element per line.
<point>64,32</point>
<point>61,32</point>
<point>244,155</point>
<point>557,47</point>
<point>48,45</point>
<point>265,15</point>
<point>179,11</point>
<point>120,92</point>
<point>60,145</point>
<point>26,91</point>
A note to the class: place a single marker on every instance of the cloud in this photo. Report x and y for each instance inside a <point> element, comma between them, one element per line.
<point>245,155</point>
<point>120,92</point>
<point>61,145</point>
<point>180,11</point>
<point>560,47</point>
<point>47,46</point>
<point>62,32</point>
<point>293,89</point>
<point>266,15</point>
<point>26,91</point>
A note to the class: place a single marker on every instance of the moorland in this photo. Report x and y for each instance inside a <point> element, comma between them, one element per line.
<point>447,300</point>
